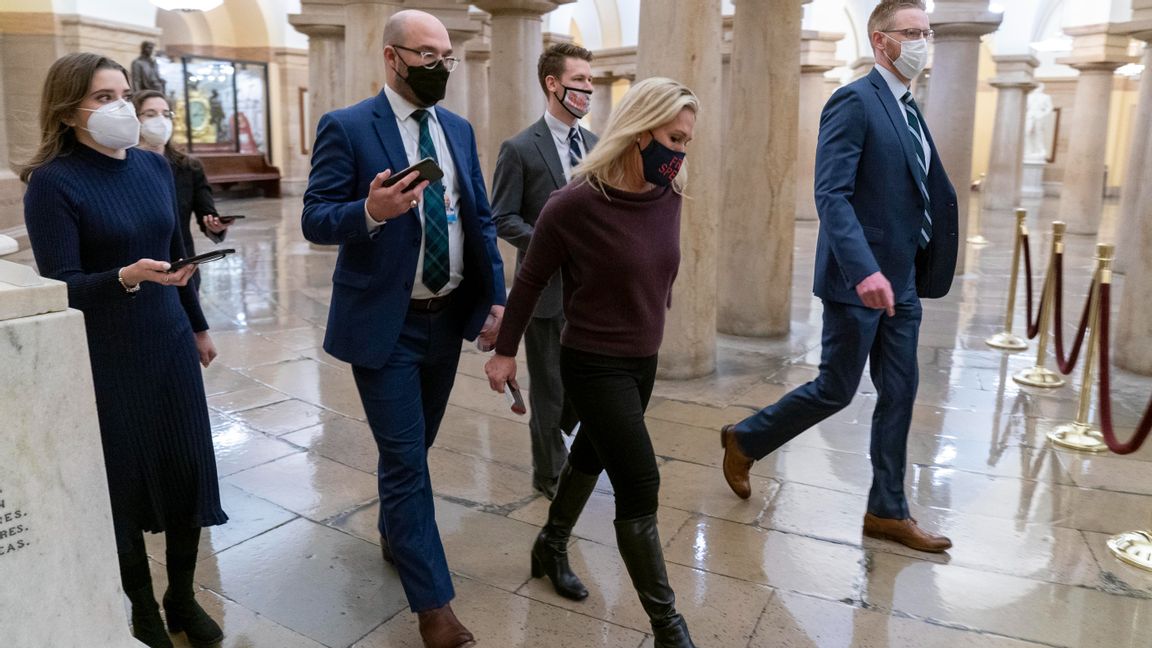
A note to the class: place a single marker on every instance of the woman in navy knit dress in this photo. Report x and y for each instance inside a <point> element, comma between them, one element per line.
<point>101,217</point>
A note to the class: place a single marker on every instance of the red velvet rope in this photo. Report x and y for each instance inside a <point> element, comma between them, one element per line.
<point>1145,424</point>
<point>1067,363</point>
<point>1033,325</point>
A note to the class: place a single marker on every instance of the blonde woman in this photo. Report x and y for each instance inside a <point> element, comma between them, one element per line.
<point>614,233</point>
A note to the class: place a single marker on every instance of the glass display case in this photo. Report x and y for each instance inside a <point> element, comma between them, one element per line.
<point>219,106</point>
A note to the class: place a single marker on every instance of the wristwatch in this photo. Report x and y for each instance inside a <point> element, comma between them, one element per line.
<point>127,288</point>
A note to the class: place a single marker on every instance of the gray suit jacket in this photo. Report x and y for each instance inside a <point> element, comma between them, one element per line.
<point>528,170</point>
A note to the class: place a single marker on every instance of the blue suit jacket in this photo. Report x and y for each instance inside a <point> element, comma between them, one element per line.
<point>372,282</point>
<point>869,204</point>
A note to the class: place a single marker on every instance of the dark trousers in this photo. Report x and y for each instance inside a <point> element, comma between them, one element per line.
<point>610,395</point>
<point>851,336</point>
<point>405,402</point>
<point>546,398</point>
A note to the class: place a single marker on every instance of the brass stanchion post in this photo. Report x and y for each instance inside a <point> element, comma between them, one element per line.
<point>1133,547</point>
<point>978,238</point>
<point>1039,375</point>
<point>1006,339</point>
<point>1081,434</point>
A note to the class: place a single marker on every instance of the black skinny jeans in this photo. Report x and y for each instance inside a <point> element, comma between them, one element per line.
<point>610,394</point>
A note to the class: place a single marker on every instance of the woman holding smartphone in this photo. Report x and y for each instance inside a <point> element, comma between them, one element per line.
<point>101,216</point>
<point>614,233</point>
<point>193,194</point>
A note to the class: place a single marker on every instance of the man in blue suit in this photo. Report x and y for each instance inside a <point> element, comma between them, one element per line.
<point>418,272</point>
<point>888,236</point>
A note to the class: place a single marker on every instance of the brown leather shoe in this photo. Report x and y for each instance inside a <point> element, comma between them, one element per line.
<point>906,532</point>
<point>440,628</point>
<point>386,551</point>
<point>736,464</point>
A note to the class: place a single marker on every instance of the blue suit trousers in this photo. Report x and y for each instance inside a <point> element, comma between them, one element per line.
<point>405,402</point>
<point>851,336</point>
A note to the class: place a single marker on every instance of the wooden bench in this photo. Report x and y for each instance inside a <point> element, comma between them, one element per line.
<point>226,169</point>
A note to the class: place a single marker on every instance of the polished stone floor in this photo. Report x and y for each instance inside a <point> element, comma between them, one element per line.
<point>299,566</point>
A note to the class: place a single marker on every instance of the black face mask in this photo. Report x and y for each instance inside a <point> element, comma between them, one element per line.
<point>661,164</point>
<point>576,101</point>
<point>429,86</point>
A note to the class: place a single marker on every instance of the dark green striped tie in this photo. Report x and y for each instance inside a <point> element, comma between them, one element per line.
<point>436,261</point>
<point>914,125</point>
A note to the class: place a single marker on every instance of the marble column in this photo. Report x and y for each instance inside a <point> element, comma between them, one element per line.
<point>951,111</point>
<point>759,180</point>
<point>477,54</point>
<point>817,56</point>
<point>601,102</point>
<point>364,46</point>
<point>517,42</point>
<point>1013,82</point>
<point>1139,155</point>
<point>694,26</point>
<point>325,69</point>
<point>1134,320</point>
<point>1096,53</point>
<point>862,66</point>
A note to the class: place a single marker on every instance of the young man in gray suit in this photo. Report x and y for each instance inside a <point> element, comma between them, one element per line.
<point>531,165</point>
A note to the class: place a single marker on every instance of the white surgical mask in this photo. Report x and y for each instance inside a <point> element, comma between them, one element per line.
<point>114,125</point>
<point>156,131</point>
<point>913,57</point>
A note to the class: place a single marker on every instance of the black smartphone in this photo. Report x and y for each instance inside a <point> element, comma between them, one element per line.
<point>515,400</point>
<point>426,169</point>
<point>207,257</point>
<point>229,218</point>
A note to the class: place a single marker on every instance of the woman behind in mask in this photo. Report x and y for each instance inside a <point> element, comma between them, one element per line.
<point>101,217</point>
<point>193,194</point>
<point>614,233</point>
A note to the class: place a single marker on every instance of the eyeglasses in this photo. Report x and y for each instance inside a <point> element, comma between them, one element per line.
<point>913,33</point>
<point>429,60</point>
<point>149,114</point>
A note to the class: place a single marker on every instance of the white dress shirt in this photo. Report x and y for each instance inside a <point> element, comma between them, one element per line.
<point>410,132</point>
<point>898,89</point>
<point>560,132</point>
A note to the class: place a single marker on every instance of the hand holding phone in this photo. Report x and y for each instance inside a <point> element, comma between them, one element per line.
<point>426,169</point>
<point>515,400</point>
<point>227,220</point>
<point>207,257</point>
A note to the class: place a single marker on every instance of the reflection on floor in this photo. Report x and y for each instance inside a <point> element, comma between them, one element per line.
<point>298,566</point>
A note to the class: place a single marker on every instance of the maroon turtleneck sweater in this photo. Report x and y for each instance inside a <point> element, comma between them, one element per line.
<point>619,256</point>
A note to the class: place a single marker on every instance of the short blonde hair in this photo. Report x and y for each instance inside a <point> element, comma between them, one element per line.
<point>882,15</point>
<point>648,104</point>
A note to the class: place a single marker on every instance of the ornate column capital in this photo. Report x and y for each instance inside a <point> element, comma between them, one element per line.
<point>615,63</point>
<point>818,51</point>
<point>1101,47</point>
<point>319,18</point>
<point>1015,71</point>
<point>963,19</point>
<point>519,7</point>
<point>1139,29</point>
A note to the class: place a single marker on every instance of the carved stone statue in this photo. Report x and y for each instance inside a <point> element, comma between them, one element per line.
<point>1038,125</point>
<point>145,73</point>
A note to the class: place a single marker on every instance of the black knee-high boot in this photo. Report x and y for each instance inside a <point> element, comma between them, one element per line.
<point>639,543</point>
<point>550,552</point>
<point>147,626</point>
<point>180,607</point>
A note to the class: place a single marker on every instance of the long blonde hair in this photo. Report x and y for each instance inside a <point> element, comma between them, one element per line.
<point>648,104</point>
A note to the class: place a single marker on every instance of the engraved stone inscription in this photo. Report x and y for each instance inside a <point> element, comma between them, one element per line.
<point>14,529</point>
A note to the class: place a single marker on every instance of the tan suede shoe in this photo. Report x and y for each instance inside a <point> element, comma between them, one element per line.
<point>736,464</point>
<point>440,628</point>
<point>906,532</point>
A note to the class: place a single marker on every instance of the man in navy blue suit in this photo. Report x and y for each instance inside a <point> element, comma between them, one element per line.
<point>418,272</point>
<point>888,236</point>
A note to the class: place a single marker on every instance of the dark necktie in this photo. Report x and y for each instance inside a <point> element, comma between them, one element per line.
<point>914,125</point>
<point>574,153</point>
<point>436,261</point>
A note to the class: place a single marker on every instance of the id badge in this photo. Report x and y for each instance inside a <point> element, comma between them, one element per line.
<point>452,216</point>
